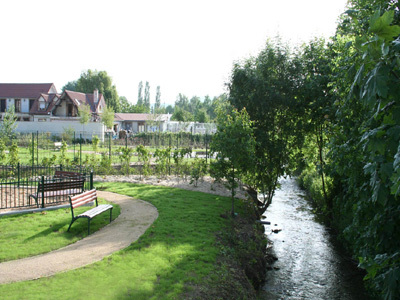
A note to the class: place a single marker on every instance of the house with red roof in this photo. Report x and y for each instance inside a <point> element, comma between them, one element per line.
<point>39,107</point>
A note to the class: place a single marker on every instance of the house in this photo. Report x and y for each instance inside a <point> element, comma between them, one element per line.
<point>39,107</point>
<point>22,96</point>
<point>133,122</point>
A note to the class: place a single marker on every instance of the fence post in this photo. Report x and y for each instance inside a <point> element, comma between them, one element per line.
<point>42,191</point>
<point>18,173</point>
<point>80,149</point>
<point>109,147</point>
<point>33,149</point>
<point>206,142</point>
<point>37,147</point>
<point>91,179</point>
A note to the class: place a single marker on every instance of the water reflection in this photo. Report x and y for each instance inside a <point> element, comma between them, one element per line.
<point>309,266</point>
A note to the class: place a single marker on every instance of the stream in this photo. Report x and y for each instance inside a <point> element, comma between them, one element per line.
<point>310,264</point>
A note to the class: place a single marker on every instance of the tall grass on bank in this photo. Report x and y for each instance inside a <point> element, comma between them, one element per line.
<point>176,253</point>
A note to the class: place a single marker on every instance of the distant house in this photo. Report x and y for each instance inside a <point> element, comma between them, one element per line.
<point>136,123</point>
<point>23,97</point>
<point>39,107</point>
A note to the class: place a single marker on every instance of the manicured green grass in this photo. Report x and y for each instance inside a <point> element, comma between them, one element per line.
<point>35,233</point>
<point>178,250</point>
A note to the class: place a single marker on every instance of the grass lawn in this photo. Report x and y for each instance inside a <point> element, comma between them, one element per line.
<point>37,233</point>
<point>178,251</point>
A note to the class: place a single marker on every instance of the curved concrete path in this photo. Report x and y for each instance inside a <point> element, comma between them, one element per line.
<point>136,216</point>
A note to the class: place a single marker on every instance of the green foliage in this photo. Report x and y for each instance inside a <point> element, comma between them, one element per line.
<point>2,151</point>
<point>364,139</point>
<point>62,159</point>
<point>47,162</point>
<point>178,156</point>
<point>144,159</point>
<point>125,157</point>
<point>67,134</point>
<point>163,157</point>
<point>84,113</point>
<point>91,80</point>
<point>107,117</point>
<point>198,169</point>
<point>234,146</point>
<point>268,87</point>
<point>13,158</point>
<point>105,166</point>
<point>8,125</point>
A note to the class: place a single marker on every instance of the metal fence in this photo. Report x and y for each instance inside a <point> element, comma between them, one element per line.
<point>18,184</point>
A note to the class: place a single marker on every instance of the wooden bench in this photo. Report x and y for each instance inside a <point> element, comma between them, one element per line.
<point>67,174</point>
<point>56,188</point>
<point>85,198</point>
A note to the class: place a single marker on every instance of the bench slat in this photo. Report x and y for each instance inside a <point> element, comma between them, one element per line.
<point>96,211</point>
<point>82,199</point>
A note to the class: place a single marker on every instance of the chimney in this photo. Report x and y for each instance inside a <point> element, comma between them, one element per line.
<point>96,96</point>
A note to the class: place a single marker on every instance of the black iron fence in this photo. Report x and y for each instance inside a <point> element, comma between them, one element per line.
<point>22,186</point>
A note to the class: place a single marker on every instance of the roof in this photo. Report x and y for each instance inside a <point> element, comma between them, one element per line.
<point>135,117</point>
<point>131,117</point>
<point>82,98</point>
<point>25,90</point>
<point>49,100</point>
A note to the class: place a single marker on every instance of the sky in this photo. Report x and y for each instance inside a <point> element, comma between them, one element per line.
<point>183,46</point>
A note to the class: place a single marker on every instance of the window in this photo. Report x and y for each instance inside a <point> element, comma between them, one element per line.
<point>31,101</point>
<point>70,109</point>
<point>3,105</point>
<point>42,105</point>
<point>17,104</point>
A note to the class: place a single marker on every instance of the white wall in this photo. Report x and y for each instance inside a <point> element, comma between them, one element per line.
<point>59,127</point>
<point>25,105</point>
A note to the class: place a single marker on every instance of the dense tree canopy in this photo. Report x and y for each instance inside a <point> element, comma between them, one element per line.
<point>268,87</point>
<point>91,80</point>
<point>331,111</point>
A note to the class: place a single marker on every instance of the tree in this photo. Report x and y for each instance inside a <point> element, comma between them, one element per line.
<point>234,147</point>
<point>364,149</point>
<point>125,106</point>
<point>267,86</point>
<point>140,94</point>
<point>201,116</point>
<point>8,126</point>
<point>146,100</point>
<point>182,115</point>
<point>182,102</point>
<point>316,70</point>
<point>157,104</point>
<point>84,113</point>
<point>70,86</point>
<point>91,80</point>
<point>107,117</point>
<point>194,105</point>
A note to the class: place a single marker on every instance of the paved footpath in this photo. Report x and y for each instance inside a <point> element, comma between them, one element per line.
<point>136,216</point>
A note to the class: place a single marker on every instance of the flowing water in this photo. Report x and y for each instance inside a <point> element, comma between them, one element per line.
<point>310,265</point>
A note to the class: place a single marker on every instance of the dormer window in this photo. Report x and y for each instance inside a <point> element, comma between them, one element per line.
<point>42,104</point>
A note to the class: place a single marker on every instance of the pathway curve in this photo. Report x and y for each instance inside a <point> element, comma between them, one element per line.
<point>136,216</point>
